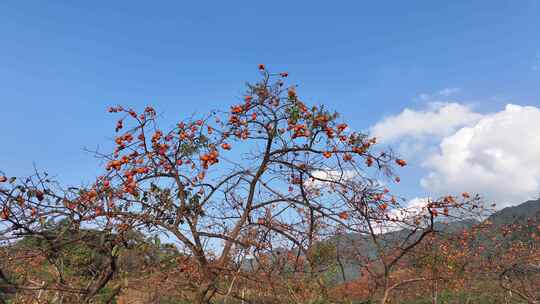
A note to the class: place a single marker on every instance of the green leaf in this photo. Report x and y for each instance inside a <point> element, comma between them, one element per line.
<point>115,251</point>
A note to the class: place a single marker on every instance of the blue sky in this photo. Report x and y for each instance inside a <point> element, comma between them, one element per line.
<point>63,62</point>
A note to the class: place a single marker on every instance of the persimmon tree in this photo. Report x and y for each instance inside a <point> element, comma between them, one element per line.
<point>238,180</point>
<point>450,259</point>
<point>514,261</point>
<point>54,231</point>
<point>489,260</point>
<point>389,230</point>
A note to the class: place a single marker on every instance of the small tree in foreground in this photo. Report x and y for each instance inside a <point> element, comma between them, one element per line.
<point>388,234</point>
<point>47,253</point>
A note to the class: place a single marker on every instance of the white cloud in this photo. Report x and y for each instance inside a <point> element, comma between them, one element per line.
<point>497,157</point>
<point>449,91</point>
<point>413,207</point>
<point>442,94</point>
<point>326,177</point>
<point>404,216</point>
<point>440,119</point>
<point>417,204</point>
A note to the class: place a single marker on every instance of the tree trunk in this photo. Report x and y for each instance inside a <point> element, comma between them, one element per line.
<point>386,292</point>
<point>206,292</point>
<point>434,295</point>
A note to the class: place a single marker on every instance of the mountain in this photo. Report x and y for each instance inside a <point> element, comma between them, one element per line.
<point>520,213</point>
<point>346,245</point>
<point>350,243</point>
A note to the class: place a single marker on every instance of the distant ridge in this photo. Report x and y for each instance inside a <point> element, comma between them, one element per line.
<point>519,213</point>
